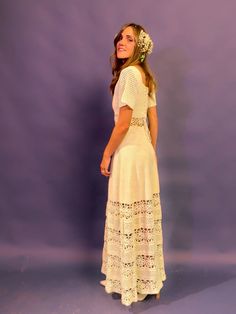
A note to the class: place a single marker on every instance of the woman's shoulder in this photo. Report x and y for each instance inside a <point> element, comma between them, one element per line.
<point>129,69</point>
<point>129,73</point>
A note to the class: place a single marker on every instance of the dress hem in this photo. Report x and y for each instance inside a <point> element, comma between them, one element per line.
<point>110,291</point>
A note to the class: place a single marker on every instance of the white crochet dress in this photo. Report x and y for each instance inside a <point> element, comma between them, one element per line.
<point>132,256</point>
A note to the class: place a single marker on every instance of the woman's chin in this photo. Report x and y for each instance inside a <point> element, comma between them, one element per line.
<point>122,56</point>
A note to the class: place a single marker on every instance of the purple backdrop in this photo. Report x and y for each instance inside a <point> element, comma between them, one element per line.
<point>56,118</point>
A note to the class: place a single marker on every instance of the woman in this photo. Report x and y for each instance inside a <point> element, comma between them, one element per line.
<point>132,257</point>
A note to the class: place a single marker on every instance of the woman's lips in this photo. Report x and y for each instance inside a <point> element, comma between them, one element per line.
<point>121,49</point>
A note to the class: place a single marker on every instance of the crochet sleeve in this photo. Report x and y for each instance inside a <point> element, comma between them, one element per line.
<point>152,100</point>
<point>128,86</point>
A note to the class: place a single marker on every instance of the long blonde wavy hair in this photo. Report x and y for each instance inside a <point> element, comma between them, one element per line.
<point>119,64</point>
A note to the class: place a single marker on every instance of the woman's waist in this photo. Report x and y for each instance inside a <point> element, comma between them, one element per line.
<point>139,125</point>
<point>138,121</point>
<point>135,120</point>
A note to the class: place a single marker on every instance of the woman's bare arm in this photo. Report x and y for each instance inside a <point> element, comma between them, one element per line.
<point>119,130</point>
<point>153,124</point>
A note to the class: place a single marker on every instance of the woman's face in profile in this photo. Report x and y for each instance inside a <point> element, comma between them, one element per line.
<point>126,43</point>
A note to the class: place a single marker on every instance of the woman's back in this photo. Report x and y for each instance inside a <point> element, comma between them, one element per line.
<point>131,90</point>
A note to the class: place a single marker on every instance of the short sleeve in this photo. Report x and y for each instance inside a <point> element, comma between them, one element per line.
<point>152,100</point>
<point>128,88</point>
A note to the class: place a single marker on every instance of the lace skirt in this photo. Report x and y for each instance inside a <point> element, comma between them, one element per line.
<point>132,256</point>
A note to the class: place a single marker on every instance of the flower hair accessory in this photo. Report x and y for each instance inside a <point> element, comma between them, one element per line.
<point>145,44</point>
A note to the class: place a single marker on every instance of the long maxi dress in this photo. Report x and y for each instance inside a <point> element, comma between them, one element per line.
<point>132,255</point>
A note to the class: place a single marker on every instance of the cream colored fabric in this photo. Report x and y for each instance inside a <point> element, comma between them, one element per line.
<point>132,257</point>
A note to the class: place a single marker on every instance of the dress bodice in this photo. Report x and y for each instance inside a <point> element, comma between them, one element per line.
<point>130,90</point>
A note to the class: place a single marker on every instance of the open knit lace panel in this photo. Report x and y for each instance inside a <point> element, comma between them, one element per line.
<point>132,254</point>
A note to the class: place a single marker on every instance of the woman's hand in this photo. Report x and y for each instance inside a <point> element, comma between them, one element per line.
<point>104,165</point>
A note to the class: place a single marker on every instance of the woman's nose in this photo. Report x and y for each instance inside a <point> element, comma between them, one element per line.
<point>122,41</point>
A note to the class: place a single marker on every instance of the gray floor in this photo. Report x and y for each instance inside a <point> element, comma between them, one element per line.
<point>74,289</point>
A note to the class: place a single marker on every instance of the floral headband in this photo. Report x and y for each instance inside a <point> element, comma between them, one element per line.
<point>145,44</point>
